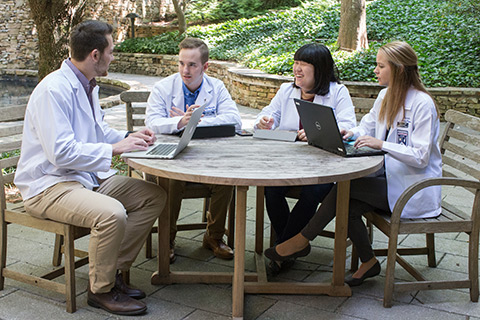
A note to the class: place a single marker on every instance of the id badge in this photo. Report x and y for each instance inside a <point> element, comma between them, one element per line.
<point>402,132</point>
<point>210,111</point>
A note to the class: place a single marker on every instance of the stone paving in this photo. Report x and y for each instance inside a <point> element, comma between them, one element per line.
<point>32,250</point>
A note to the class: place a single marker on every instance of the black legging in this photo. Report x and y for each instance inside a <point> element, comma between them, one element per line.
<point>366,194</point>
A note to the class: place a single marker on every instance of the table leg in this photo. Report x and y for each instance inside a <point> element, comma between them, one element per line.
<point>259,219</point>
<point>239,266</point>
<point>162,275</point>
<point>341,228</point>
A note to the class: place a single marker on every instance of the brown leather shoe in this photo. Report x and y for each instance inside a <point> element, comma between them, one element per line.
<point>220,249</point>
<point>116,302</point>
<point>122,287</point>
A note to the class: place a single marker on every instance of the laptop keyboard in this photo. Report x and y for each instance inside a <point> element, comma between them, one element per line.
<point>162,149</point>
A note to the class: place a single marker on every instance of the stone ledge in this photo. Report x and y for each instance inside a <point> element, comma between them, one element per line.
<point>255,88</point>
<point>105,103</point>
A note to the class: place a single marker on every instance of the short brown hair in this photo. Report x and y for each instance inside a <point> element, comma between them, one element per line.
<point>194,43</point>
<point>88,36</point>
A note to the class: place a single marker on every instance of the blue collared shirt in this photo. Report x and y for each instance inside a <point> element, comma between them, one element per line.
<point>190,97</point>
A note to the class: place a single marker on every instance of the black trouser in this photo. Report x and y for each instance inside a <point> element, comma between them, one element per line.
<point>288,223</point>
<point>366,194</point>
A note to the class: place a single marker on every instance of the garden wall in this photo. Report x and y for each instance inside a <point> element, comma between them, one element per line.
<point>18,38</point>
<point>254,88</point>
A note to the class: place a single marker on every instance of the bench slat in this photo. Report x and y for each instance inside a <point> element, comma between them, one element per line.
<point>447,145</point>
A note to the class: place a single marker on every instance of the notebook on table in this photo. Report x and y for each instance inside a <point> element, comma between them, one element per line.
<point>322,130</point>
<point>281,135</point>
<point>170,150</point>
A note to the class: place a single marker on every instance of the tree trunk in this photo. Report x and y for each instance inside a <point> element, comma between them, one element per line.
<point>54,19</point>
<point>353,26</point>
<point>182,23</point>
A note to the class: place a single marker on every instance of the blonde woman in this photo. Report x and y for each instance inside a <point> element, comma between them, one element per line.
<point>404,123</point>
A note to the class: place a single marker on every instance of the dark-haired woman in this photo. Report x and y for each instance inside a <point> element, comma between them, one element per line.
<point>315,80</point>
<point>404,123</point>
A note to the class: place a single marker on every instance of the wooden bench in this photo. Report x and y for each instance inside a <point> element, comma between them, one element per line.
<point>14,213</point>
<point>460,147</point>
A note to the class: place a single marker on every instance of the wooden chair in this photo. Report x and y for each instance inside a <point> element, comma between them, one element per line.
<point>460,147</point>
<point>135,103</point>
<point>14,213</point>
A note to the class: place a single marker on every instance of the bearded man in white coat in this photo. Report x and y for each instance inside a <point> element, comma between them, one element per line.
<point>64,172</point>
<point>169,109</point>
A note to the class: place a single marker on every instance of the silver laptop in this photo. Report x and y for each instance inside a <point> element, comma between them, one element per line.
<point>322,131</point>
<point>170,150</point>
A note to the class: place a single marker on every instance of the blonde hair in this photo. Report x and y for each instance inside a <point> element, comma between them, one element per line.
<point>403,75</point>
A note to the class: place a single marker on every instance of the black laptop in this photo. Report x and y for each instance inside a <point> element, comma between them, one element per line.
<point>322,131</point>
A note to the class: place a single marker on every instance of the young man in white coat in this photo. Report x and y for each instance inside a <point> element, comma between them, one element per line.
<point>65,174</point>
<point>169,109</point>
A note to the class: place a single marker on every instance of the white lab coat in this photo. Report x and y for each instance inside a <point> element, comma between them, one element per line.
<point>282,107</point>
<point>413,153</point>
<point>62,141</point>
<point>168,92</point>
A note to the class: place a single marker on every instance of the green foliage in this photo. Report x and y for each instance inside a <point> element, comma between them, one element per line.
<point>445,35</point>
<point>166,43</point>
<point>221,10</point>
<point>119,165</point>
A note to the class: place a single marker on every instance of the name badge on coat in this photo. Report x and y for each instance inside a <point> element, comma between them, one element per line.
<point>402,132</point>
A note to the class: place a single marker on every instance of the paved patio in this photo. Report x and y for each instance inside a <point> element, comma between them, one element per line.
<point>32,251</point>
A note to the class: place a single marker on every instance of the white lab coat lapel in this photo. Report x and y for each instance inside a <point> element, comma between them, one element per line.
<point>205,94</point>
<point>178,101</point>
<point>84,104</point>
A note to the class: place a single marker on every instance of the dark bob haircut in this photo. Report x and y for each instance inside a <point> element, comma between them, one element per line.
<point>320,57</point>
<point>88,36</point>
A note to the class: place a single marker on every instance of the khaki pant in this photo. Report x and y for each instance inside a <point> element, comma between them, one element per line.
<point>217,213</point>
<point>120,214</point>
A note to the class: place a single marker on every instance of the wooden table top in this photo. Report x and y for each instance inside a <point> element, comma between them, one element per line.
<point>246,161</point>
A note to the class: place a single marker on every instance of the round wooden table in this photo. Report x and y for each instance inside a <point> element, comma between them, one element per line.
<point>244,162</point>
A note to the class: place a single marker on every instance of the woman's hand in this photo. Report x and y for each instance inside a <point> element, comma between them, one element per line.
<point>367,141</point>
<point>346,135</point>
<point>265,123</point>
<point>301,135</point>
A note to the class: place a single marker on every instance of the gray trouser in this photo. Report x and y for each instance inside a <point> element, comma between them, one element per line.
<point>366,194</point>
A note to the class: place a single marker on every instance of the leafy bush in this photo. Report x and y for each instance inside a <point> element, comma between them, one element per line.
<point>214,10</point>
<point>445,35</point>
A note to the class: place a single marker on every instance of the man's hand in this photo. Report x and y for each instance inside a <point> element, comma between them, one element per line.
<point>146,134</point>
<point>175,112</point>
<point>136,141</point>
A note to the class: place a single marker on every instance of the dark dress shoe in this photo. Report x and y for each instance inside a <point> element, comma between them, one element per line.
<point>372,272</point>
<point>171,255</point>
<point>220,249</point>
<point>122,287</point>
<point>271,253</point>
<point>116,302</point>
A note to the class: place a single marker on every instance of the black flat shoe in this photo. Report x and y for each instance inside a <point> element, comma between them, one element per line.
<point>271,253</point>
<point>372,272</point>
<point>275,268</point>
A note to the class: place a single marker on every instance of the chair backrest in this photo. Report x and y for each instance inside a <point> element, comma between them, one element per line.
<point>135,102</point>
<point>10,142</point>
<point>460,145</point>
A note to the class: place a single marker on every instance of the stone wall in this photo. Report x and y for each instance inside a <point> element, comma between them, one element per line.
<point>254,88</point>
<point>18,39</point>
